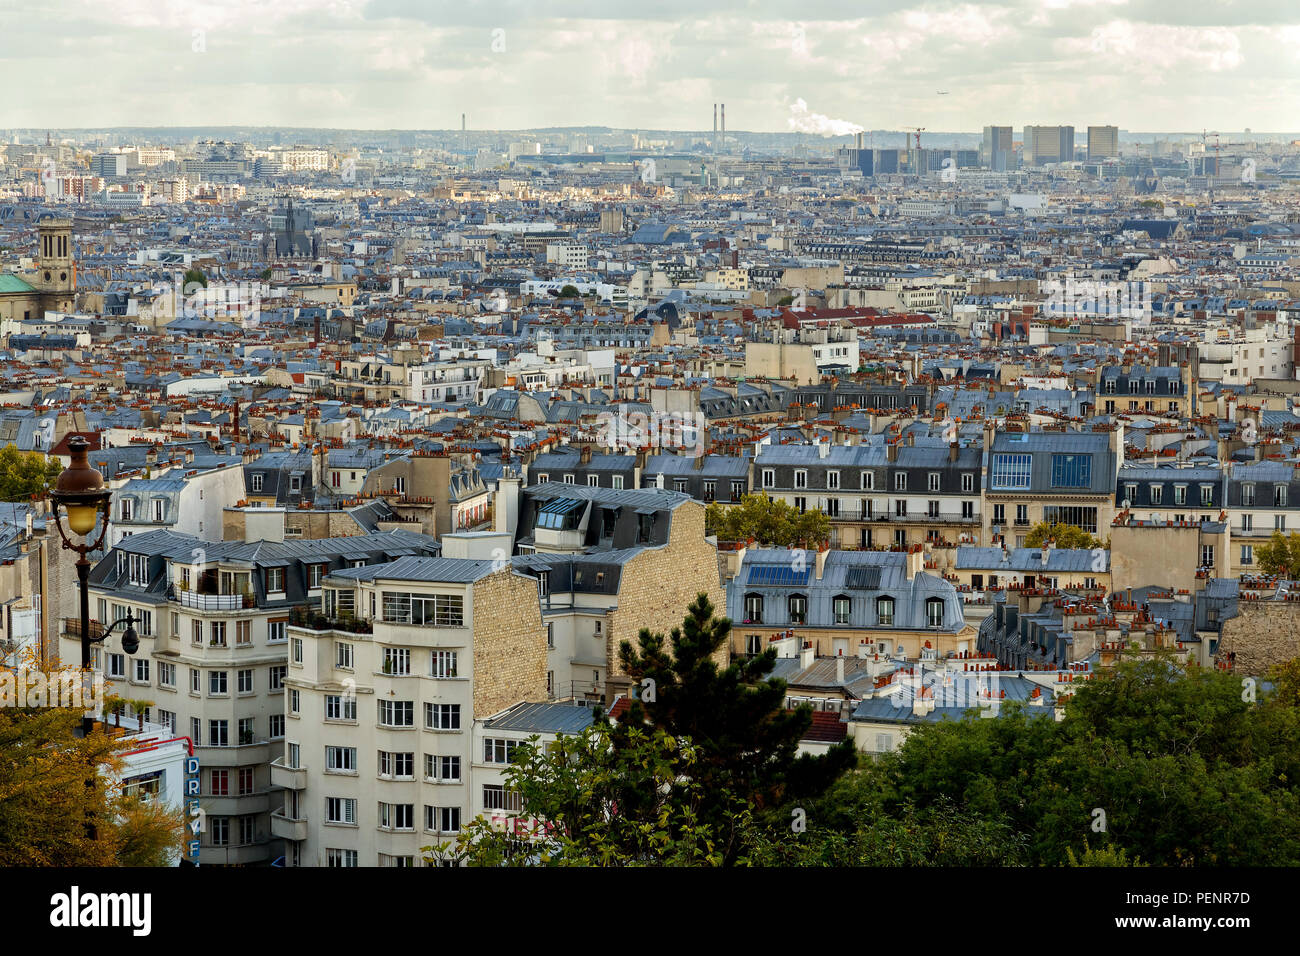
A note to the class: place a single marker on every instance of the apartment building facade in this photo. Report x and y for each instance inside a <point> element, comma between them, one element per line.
<point>888,495</point>
<point>384,688</point>
<point>212,619</point>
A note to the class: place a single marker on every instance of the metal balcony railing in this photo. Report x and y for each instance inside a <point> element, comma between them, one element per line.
<point>210,602</point>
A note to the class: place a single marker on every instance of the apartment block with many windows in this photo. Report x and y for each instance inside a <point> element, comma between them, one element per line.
<point>383,689</point>
<point>213,622</point>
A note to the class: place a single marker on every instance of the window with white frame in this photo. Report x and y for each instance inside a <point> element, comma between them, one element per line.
<point>340,707</point>
<point>397,661</point>
<point>396,765</point>
<point>442,664</point>
<point>396,713</point>
<point>499,750</point>
<point>441,769</point>
<point>442,716</point>
<point>497,797</point>
<point>341,810</point>
<point>396,816</point>
<point>341,759</point>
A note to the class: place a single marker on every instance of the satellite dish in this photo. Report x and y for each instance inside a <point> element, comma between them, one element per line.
<point>1126,504</point>
<point>1156,518</point>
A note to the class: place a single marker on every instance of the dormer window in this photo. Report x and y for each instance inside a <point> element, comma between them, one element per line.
<point>885,611</point>
<point>934,612</point>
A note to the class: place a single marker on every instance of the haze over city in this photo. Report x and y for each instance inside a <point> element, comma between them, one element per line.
<point>406,64</point>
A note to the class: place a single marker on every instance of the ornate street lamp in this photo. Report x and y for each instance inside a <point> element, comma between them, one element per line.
<point>81,493</point>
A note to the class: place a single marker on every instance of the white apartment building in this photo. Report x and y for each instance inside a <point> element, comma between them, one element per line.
<point>185,502</point>
<point>212,619</point>
<point>1238,358</point>
<point>567,255</point>
<point>383,694</point>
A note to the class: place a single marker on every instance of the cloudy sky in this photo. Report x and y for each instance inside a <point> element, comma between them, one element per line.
<point>815,64</point>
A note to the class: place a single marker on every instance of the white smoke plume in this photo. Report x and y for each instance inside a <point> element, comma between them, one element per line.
<point>802,121</point>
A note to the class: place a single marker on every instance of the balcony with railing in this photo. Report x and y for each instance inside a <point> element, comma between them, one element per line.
<point>288,828</point>
<point>290,778</point>
<point>310,619</point>
<point>210,602</point>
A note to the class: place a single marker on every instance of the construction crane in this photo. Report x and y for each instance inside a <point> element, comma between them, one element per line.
<point>917,131</point>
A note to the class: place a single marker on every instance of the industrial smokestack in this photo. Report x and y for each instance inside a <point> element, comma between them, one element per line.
<point>715,120</point>
<point>462,122</point>
<point>724,120</point>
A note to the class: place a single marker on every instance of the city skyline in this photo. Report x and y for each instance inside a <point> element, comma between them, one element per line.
<point>394,64</point>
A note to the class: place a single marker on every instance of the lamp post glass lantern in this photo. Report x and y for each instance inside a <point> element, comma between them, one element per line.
<point>81,494</point>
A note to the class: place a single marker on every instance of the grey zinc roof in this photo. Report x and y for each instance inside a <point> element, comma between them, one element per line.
<point>450,570</point>
<point>543,718</point>
<point>1031,559</point>
<point>656,498</point>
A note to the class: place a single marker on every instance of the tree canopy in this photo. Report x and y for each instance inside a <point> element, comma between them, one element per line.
<point>1062,535</point>
<point>704,754</point>
<point>1280,555</point>
<point>769,521</point>
<point>24,474</point>
<point>1152,765</point>
<point>44,799</point>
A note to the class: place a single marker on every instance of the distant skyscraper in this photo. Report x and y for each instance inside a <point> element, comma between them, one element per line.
<point>995,153</point>
<point>1049,144</point>
<point>1103,142</point>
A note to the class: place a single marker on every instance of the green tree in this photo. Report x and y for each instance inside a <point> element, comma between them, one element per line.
<point>589,802</point>
<point>1173,766</point>
<point>26,474</point>
<point>45,800</point>
<point>1281,555</point>
<point>747,741</point>
<point>570,292</point>
<point>769,521</point>
<point>1063,535</point>
<point>193,275</point>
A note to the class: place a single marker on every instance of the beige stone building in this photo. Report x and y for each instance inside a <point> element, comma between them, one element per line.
<point>383,692</point>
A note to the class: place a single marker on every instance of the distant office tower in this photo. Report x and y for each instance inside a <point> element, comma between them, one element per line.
<point>1103,142</point>
<point>995,153</point>
<point>887,160</point>
<point>1049,144</point>
<point>856,157</point>
<point>108,165</point>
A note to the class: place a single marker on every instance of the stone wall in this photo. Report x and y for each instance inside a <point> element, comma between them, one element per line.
<point>1262,634</point>
<point>659,584</point>
<point>509,643</point>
